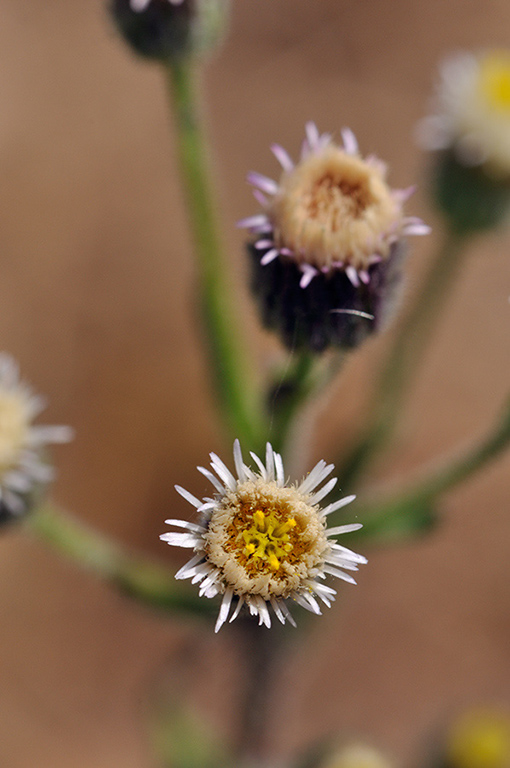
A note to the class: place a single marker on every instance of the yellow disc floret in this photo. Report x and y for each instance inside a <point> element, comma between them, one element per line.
<point>334,207</point>
<point>265,539</point>
<point>494,82</point>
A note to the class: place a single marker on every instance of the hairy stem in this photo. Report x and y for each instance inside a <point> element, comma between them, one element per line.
<point>403,358</point>
<point>413,509</point>
<point>135,575</point>
<point>233,381</point>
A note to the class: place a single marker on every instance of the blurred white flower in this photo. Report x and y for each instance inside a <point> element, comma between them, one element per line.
<point>22,466</point>
<point>472,111</point>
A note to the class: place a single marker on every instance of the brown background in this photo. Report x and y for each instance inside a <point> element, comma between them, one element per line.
<point>96,300</point>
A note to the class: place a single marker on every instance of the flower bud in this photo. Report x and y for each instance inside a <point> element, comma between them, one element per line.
<point>171,29</point>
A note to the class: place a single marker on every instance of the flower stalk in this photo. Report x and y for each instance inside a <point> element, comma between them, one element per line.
<point>413,510</point>
<point>403,359</point>
<point>234,382</point>
<point>135,575</point>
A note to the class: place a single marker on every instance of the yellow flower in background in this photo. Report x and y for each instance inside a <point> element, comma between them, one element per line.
<point>480,739</point>
<point>472,111</point>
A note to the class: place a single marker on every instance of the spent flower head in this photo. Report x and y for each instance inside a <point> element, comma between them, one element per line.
<point>469,130</point>
<point>171,29</point>
<point>24,471</point>
<point>263,543</point>
<point>327,243</point>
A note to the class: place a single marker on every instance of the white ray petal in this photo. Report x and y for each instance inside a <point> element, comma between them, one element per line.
<point>240,603</point>
<point>238,461</point>
<point>212,479</point>
<point>224,608</point>
<point>188,496</point>
<point>339,574</point>
<point>336,505</point>
<point>223,472</point>
<point>186,524</point>
<point>344,529</point>
<point>319,495</point>
<point>186,540</point>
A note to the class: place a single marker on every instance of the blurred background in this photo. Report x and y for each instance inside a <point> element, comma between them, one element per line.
<point>97,302</point>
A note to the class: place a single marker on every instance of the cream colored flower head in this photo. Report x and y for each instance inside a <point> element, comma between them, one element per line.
<point>22,466</point>
<point>472,111</point>
<point>333,211</point>
<point>263,543</point>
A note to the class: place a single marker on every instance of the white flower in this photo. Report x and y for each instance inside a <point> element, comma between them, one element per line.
<point>472,111</point>
<point>332,211</point>
<point>260,542</point>
<point>22,468</point>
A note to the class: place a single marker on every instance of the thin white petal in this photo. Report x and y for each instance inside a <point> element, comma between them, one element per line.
<point>223,472</point>
<point>241,468</point>
<point>212,479</point>
<point>338,504</point>
<point>280,474</point>
<point>270,461</point>
<point>240,603</point>
<point>316,476</point>
<point>186,524</point>
<point>260,465</point>
<point>319,495</point>
<point>188,569</point>
<point>287,613</point>
<point>344,529</point>
<point>224,608</point>
<point>186,540</point>
<point>276,608</point>
<point>339,574</point>
<point>188,496</point>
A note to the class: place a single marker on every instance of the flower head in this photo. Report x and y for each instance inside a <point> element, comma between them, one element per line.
<point>469,132</point>
<point>472,111</point>
<point>169,29</point>
<point>23,470</point>
<point>261,542</point>
<point>332,227</point>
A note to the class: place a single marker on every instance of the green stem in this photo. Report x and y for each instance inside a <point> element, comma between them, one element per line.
<point>413,509</point>
<point>233,381</point>
<point>134,575</point>
<point>408,346</point>
<point>306,376</point>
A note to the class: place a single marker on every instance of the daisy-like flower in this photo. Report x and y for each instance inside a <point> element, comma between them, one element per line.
<point>472,111</point>
<point>171,29</point>
<point>330,232</point>
<point>23,470</point>
<point>263,543</point>
<point>469,132</point>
